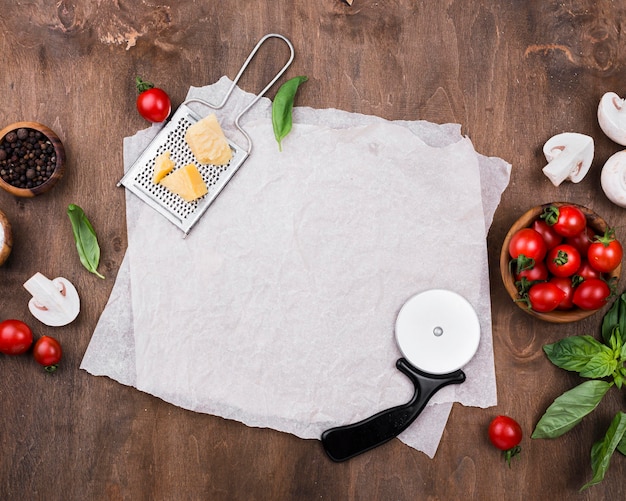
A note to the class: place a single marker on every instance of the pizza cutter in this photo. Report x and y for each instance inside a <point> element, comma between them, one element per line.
<point>438,332</point>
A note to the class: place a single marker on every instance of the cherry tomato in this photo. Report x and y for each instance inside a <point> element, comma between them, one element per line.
<point>506,434</point>
<point>538,272</point>
<point>591,294</point>
<point>153,103</point>
<point>582,240</point>
<point>545,297</point>
<point>550,237</point>
<point>528,243</point>
<point>15,337</point>
<point>605,253</point>
<point>47,352</point>
<point>565,284</point>
<point>566,220</point>
<point>586,271</point>
<point>563,260</point>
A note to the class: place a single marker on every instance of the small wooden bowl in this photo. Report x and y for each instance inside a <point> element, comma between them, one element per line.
<point>59,168</point>
<point>6,238</point>
<point>594,221</point>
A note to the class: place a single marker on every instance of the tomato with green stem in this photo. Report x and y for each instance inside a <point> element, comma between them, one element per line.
<point>153,103</point>
<point>566,220</point>
<point>605,252</point>
<point>563,260</point>
<point>48,352</point>
<point>506,434</point>
<point>529,243</point>
<point>535,273</point>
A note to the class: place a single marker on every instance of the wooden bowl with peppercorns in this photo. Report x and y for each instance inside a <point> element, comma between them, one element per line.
<point>592,296</point>
<point>32,159</point>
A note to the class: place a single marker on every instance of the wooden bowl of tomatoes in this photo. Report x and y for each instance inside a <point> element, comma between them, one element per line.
<point>560,262</point>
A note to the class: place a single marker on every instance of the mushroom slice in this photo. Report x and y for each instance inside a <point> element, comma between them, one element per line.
<point>54,302</point>
<point>612,117</point>
<point>569,156</point>
<point>613,178</point>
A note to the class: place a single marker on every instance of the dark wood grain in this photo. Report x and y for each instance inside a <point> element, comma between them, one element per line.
<point>512,73</point>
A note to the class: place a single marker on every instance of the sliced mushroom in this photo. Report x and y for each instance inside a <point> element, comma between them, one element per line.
<point>54,302</point>
<point>6,238</point>
<point>612,117</point>
<point>613,178</point>
<point>569,156</point>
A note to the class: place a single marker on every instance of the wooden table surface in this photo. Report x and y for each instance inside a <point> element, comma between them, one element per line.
<point>512,73</point>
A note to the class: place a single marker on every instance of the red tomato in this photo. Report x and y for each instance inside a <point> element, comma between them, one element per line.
<point>550,237</point>
<point>591,294</point>
<point>563,260</point>
<point>153,103</point>
<point>605,253</point>
<point>47,352</point>
<point>566,220</point>
<point>15,337</point>
<point>528,243</point>
<point>565,284</point>
<point>538,272</point>
<point>582,240</point>
<point>506,434</point>
<point>545,297</point>
<point>586,271</point>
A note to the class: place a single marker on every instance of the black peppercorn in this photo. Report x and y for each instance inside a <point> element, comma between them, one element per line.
<point>27,158</point>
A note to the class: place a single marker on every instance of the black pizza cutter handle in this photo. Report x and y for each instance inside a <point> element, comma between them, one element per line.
<point>344,442</point>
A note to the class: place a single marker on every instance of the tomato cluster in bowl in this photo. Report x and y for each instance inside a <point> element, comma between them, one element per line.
<point>560,262</point>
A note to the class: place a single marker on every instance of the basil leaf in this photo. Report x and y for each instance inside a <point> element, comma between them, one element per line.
<point>601,365</point>
<point>602,451</point>
<point>86,239</point>
<point>282,107</point>
<point>615,316</point>
<point>621,447</point>
<point>570,408</point>
<point>575,353</point>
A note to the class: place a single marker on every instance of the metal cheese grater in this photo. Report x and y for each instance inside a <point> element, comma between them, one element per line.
<point>171,138</point>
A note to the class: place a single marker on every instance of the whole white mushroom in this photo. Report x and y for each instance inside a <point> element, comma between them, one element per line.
<point>613,178</point>
<point>612,117</point>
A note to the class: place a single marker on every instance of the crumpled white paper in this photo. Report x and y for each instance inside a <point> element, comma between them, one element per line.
<point>278,309</point>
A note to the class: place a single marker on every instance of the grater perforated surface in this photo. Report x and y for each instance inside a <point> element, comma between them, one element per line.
<point>171,138</point>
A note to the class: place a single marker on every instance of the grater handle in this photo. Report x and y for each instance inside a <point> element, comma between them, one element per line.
<point>267,87</point>
<point>258,96</point>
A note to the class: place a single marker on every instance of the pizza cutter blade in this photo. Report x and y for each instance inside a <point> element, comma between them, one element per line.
<point>438,332</point>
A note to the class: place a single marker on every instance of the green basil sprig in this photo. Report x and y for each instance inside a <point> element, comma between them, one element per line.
<point>594,360</point>
<point>86,239</point>
<point>282,108</point>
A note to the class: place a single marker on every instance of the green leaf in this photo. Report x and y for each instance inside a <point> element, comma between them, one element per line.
<point>86,239</point>
<point>570,408</point>
<point>621,447</point>
<point>615,317</point>
<point>582,354</point>
<point>600,365</point>
<point>602,451</point>
<point>282,107</point>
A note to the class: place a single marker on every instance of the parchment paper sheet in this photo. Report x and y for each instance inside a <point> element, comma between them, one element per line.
<point>278,309</point>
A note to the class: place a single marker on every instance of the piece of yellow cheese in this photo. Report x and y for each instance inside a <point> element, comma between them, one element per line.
<point>207,141</point>
<point>186,182</point>
<point>163,165</point>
